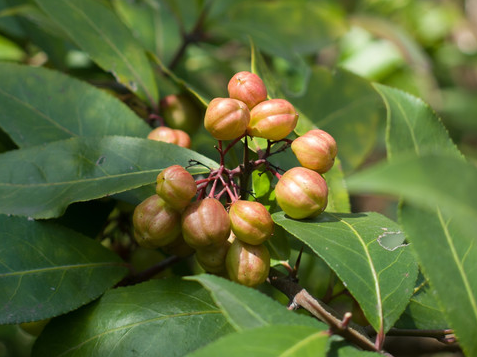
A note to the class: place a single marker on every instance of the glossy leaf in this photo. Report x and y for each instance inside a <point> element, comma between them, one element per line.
<point>338,197</point>
<point>160,317</point>
<point>272,341</point>
<point>246,308</point>
<point>450,266</point>
<point>347,107</point>
<point>42,181</point>
<point>412,126</point>
<point>40,105</point>
<point>338,347</point>
<point>380,277</point>
<point>99,32</point>
<point>47,270</point>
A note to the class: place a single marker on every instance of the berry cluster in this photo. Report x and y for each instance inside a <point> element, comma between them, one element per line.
<point>226,231</point>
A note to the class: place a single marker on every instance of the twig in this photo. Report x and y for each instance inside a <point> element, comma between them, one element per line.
<point>300,297</point>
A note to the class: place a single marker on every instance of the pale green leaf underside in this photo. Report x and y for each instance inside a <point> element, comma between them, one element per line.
<point>272,341</point>
<point>381,278</point>
<point>47,270</point>
<point>40,106</point>
<point>160,317</point>
<point>98,31</point>
<point>42,181</point>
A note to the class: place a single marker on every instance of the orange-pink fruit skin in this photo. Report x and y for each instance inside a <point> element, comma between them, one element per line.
<point>272,119</point>
<point>172,136</point>
<point>250,221</point>
<point>247,264</point>
<point>205,223</point>
<point>248,88</point>
<point>176,186</point>
<point>226,118</point>
<point>316,150</point>
<point>302,193</point>
<point>156,224</point>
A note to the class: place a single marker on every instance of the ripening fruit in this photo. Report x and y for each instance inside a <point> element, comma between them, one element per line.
<point>178,247</point>
<point>250,221</point>
<point>204,223</point>
<point>316,150</point>
<point>212,259</point>
<point>176,186</point>
<point>226,118</point>
<point>247,87</point>
<point>301,193</point>
<point>172,136</point>
<point>180,112</point>
<point>247,264</point>
<point>272,119</point>
<point>156,224</point>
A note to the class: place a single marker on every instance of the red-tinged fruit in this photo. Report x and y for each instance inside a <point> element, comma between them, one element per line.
<point>247,264</point>
<point>316,150</point>
<point>178,247</point>
<point>226,118</point>
<point>181,112</point>
<point>251,222</point>
<point>302,193</point>
<point>205,223</point>
<point>248,88</point>
<point>212,259</point>
<point>272,119</point>
<point>172,136</point>
<point>156,224</point>
<point>176,186</point>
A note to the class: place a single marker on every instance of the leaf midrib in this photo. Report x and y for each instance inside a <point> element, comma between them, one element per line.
<point>58,267</point>
<point>379,305</point>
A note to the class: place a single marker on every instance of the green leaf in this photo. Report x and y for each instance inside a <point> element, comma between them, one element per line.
<point>423,311</point>
<point>40,105</point>
<point>98,31</point>
<point>338,347</point>
<point>42,181</point>
<point>247,308</point>
<point>449,265</point>
<point>380,277</point>
<point>273,341</point>
<point>338,197</point>
<point>347,107</point>
<point>412,126</point>
<point>47,270</point>
<point>160,317</point>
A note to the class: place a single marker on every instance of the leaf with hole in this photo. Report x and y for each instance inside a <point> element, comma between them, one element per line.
<point>380,277</point>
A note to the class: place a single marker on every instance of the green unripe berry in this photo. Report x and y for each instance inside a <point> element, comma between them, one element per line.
<point>156,224</point>
<point>212,258</point>
<point>302,193</point>
<point>247,264</point>
<point>250,221</point>
<point>176,186</point>
<point>181,112</point>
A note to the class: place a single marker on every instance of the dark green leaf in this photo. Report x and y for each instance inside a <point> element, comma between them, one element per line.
<point>381,278</point>
<point>338,347</point>
<point>246,308</point>
<point>423,311</point>
<point>97,30</point>
<point>42,181</point>
<point>273,341</point>
<point>157,318</point>
<point>347,107</point>
<point>447,254</point>
<point>39,106</point>
<point>338,197</point>
<point>47,270</point>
